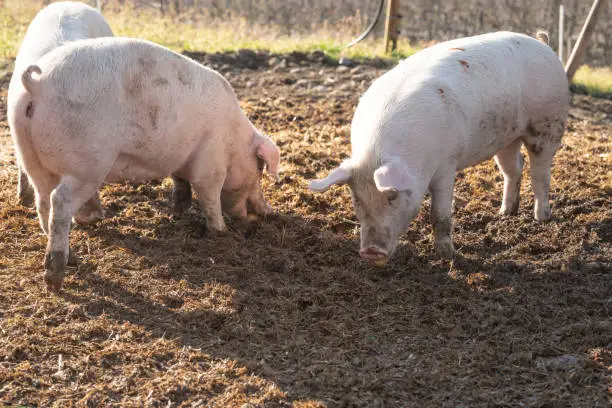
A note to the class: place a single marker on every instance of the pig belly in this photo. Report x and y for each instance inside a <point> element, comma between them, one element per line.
<point>129,168</point>
<point>485,151</point>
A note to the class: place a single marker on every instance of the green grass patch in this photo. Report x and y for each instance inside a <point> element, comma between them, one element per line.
<point>594,81</point>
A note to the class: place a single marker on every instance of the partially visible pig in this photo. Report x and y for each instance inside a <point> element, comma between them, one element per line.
<point>446,108</point>
<point>113,109</point>
<point>56,24</point>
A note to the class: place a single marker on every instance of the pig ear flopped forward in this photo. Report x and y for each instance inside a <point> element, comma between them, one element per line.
<point>269,153</point>
<point>393,176</point>
<point>340,175</point>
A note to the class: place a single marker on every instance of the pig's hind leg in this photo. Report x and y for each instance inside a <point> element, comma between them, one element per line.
<point>510,162</point>
<point>69,196</point>
<point>91,212</point>
<point>181,195</point>
<point>542,140</point>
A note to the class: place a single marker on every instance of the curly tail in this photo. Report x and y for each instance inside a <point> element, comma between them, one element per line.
<point>29,83</point>
<point>542,36</point>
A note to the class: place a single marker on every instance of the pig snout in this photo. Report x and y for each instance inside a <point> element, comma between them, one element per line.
<point>373,253</point>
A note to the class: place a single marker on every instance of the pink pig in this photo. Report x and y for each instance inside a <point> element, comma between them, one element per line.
<point>446,108</point>
<point>113,109</point>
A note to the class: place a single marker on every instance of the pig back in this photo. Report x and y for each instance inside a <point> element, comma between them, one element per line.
<point>463,99</point>
<point>129,97</point>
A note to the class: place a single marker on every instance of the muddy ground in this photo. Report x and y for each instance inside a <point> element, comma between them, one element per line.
<point>282,312</point>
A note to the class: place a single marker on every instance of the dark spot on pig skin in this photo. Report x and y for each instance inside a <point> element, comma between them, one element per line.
<point>147,63</point>
<point>183,75</point>
<point>160,81</point>
<point>133,87</point>
<point>441,91</point>
<point>153,111</point>
<point>533,131</point>
<point>29,110</point>
<point>465,64</point>
<point>457,49</point>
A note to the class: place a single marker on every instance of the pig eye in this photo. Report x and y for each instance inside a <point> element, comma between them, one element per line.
<point>392,195</point>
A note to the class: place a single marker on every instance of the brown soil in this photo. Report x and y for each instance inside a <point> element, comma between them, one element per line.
<point>282,312</point>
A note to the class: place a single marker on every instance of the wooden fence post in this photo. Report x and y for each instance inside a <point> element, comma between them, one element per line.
<point>561,33</point>
<point>580,47</point>
<point>392,25</point>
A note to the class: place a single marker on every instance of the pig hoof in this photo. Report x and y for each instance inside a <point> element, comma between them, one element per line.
<point>445,249</point>
<point>252,217</point>
<point>26,199</point>
<point>90,213</point>
<point>543,214</point>
<point>216,226</point>
<point>89,218</point>
<point>509,210</point>
<point>55,264</point>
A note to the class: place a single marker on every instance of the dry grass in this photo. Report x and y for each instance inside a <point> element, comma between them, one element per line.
<point>199,32</point>
<point>282,312</point>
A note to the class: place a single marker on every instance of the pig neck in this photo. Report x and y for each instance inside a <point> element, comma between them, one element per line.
<point>419,173</point>
<point>241,152</point>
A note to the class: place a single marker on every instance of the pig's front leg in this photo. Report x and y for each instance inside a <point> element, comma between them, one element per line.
<point>441,189</point>
<point>209,196</point>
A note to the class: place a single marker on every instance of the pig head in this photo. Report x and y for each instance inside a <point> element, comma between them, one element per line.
<point>386,199</point>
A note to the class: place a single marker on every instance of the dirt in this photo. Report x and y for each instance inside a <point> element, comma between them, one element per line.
<point>282,312</point>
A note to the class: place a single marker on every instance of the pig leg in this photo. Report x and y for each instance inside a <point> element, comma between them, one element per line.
<point>91,212</point>
<point>510,162</point>
<point>441,190</point>
<point>25,192</point>
<point>66,199</point>
<point>44,183</point>
<point>256,203</point>
<point>540,161</point>
<point>181,195</point>
<point>209,196</point>
<point>542,139</point>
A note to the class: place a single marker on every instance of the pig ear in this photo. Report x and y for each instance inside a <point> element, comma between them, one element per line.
<point>269,153</point>
<point>340,175</point>
<point>392,176</point>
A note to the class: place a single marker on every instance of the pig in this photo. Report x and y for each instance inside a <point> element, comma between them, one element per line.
<point>441,110</point>
<point>114,109</point>
<point>56,24</point>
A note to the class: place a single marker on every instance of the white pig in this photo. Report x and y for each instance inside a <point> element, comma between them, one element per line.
<point>112,109</point>
<point>56,24</point>
<point>443,109</point>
